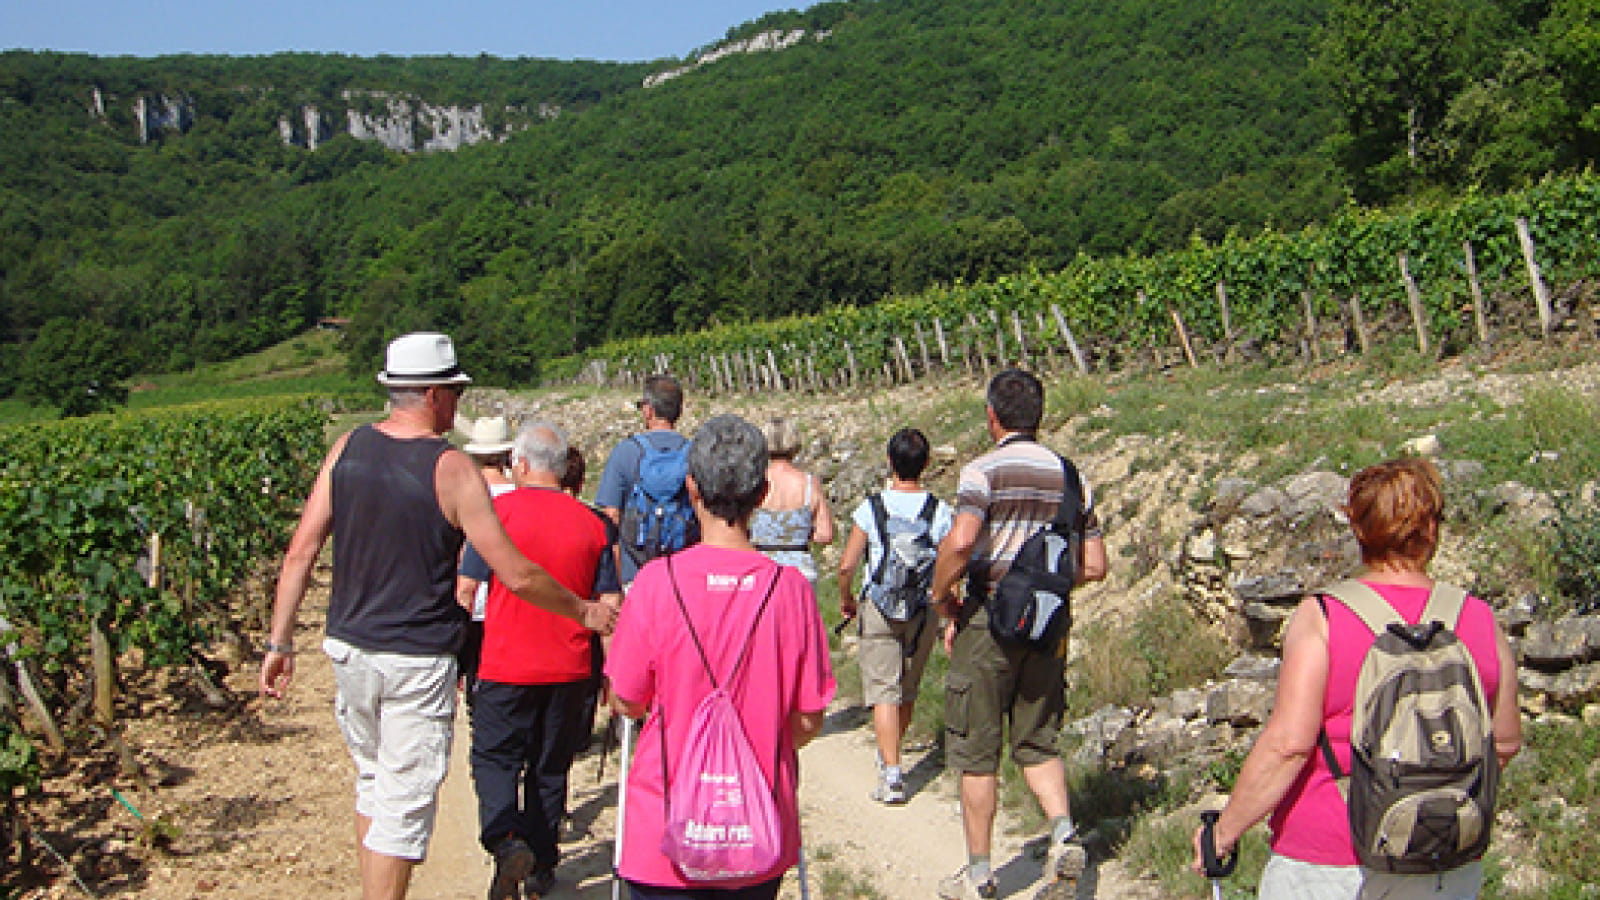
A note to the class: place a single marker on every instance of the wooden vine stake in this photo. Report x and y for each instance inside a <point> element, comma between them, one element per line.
<point>1183,336</point>
<point>105,673</point>
<point>922,345</point>
<point>1312,349</point>
<point>1072,343</point>
<point>1227,321</point>
<point>1022,345</point>
<point>777,375</point>
<point>850,357</point>
<point>944,346</point>
<point>1360,324</point>
<point>1414,297</point>
<point>1480,315</point>
<point>1541,291</point>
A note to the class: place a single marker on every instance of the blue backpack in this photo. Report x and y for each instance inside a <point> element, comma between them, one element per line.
<point>658,518</point>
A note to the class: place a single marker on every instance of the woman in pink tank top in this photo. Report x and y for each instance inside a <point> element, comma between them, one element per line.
<point>1395,509</point>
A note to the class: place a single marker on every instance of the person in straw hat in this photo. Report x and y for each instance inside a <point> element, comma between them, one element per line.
<point>398,501</point>
<point>489,444</point>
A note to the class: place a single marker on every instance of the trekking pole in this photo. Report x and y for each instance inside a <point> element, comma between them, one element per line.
<point>622,807</point>
<point>1216,869</point>
<point>805,880</point>
<point>607,740</point>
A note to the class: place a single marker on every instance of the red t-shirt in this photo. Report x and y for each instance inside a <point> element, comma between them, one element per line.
<point>1312,823</point>
<point>523,644</point>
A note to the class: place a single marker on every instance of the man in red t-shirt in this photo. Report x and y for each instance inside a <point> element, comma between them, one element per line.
<point>530,712</point>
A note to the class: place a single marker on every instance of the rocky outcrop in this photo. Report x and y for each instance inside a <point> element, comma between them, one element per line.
<point>765,42</point>
<point>153,115</point>
<point>404,123</point>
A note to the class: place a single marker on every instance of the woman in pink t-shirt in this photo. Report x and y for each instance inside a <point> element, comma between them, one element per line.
<point>785,680</point>
<point>1395,509</point>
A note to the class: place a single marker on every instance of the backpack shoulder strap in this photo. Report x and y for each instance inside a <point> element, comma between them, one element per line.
<point>1070,513</point>
<point>930,508</point>
<point>880,518</point>
<point>695,636</point>
<point>1445,604</point>
<point>1367,604</point>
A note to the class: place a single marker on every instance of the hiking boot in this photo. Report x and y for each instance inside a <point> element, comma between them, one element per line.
<point>1066,860</point>
<point>961,887</point>
<point>539,883</point>
<point>513,861</point>
<point>890,791</point>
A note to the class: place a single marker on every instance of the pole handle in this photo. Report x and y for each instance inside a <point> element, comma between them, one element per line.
<point>1215,868</point>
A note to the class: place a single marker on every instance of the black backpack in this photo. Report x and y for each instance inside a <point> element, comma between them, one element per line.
<point>1032,604</point>
<point>899,586</point>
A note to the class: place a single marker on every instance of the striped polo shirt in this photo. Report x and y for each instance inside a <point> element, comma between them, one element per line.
<point>1015,489</point>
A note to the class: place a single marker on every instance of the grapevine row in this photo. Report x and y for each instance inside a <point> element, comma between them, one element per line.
<point>1274,282</point>
<point>134,530</point>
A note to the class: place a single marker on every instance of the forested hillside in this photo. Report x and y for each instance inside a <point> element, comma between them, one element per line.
<point>891,145</point>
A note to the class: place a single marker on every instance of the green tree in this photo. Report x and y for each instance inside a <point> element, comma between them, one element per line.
<point>76,366</point>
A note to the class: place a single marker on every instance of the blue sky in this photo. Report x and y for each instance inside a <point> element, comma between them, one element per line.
<point>556,29</point>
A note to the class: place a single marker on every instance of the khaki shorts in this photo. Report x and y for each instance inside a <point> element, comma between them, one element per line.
<point>892,654</point>
<point>991,685</point>
<point>397,713</point>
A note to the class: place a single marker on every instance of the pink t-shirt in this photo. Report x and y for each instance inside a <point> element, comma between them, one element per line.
<point>653,661</point>
<point>1312,824</point>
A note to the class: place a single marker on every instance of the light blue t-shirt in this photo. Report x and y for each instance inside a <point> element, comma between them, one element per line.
<point>905,504</point>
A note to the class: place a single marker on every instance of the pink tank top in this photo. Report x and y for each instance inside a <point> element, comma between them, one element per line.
<point>1312,823</point>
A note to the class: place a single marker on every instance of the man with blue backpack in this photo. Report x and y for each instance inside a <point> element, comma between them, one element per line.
<point>641,488</point>
<point>897,531</point>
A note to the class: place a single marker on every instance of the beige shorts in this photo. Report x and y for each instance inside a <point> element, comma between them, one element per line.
<point>893,654</point>
<point>397,713</point>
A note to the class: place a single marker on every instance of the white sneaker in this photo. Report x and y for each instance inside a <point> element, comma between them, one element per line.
<point>961,887</point>
<point>890,792</point>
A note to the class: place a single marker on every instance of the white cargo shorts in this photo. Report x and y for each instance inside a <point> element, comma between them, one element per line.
<point>397,713</point>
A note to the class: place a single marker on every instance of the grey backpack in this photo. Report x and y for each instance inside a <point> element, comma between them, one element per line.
<point>899,586</point>
<point>1423,771</point>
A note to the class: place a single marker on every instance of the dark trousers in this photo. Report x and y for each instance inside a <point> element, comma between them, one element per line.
<point>524,737</point>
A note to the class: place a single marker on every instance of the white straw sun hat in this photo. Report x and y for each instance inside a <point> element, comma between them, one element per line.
<point>421,359</point>
<point>489,436</point>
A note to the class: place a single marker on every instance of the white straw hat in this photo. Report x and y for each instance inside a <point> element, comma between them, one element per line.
<point>421,359</point>
<point>489,436</point>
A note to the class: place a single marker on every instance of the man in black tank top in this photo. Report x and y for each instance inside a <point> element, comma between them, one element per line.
<point>398,500</point>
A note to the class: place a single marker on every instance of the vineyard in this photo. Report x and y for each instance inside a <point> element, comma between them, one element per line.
<point>129,537</point>
<point>1454,274</point>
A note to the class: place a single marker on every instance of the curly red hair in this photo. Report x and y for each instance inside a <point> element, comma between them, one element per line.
<point>1395,508</point>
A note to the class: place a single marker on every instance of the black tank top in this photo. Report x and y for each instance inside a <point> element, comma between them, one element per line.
<point>394,552</point>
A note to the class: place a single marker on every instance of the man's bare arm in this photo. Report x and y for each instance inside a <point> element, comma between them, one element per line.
<point>294,576</point>
<point>955,553</point>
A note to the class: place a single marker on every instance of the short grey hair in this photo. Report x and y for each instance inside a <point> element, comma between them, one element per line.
<point>407,396</point>
<point>728,461</point>
<point>543,445</point>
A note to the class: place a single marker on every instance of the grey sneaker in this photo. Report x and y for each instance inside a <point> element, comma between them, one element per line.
<point>513,861</point>
<point>1066,860</point>
<point>890,792</point>
<point>961,887</point>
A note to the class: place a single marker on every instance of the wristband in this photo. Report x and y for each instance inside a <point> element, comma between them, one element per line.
<point>282,649</point>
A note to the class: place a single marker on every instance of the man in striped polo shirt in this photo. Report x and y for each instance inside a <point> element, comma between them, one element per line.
<point>1004,497</point>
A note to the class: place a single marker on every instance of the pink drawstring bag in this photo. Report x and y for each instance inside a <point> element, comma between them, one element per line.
<point>722,816</point>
